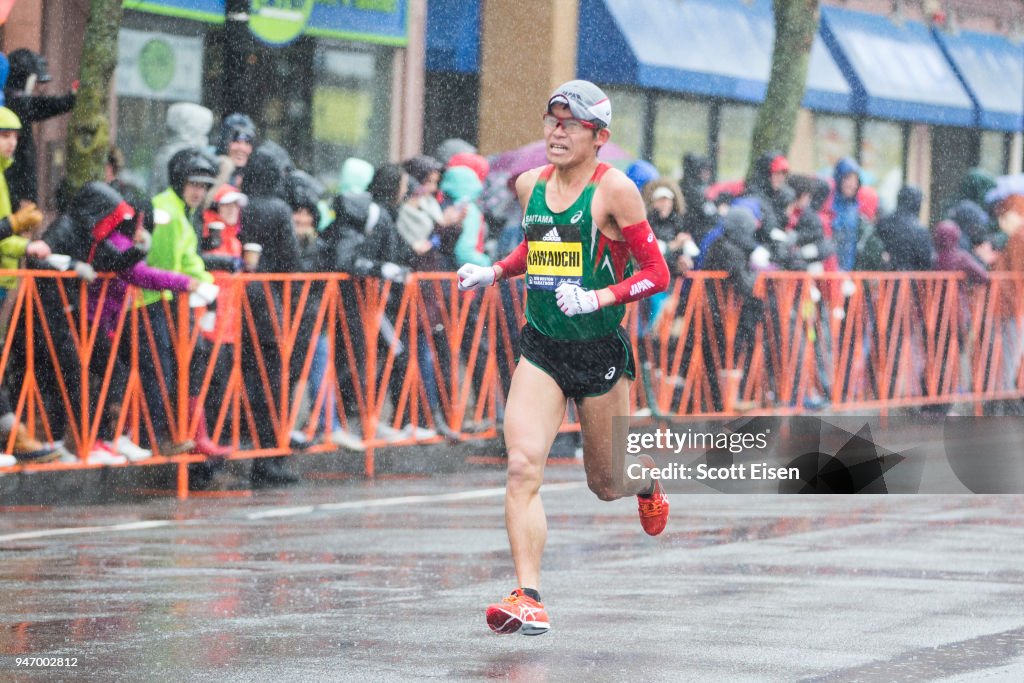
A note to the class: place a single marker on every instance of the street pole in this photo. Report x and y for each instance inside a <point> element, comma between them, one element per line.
<point>237,55</point>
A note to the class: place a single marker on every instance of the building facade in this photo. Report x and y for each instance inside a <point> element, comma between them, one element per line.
<point>917,90</point>
<point>326,79</point>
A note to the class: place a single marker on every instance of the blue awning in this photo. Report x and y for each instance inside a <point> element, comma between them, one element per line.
<point>992,69</point>
<point>716,48</point>
<point>897,70</point>
<point>453,36</point>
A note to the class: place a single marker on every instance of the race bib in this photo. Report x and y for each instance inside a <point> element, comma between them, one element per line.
<point>555,256</point>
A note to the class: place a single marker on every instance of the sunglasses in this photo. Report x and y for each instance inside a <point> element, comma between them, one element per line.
<point>569,124</point>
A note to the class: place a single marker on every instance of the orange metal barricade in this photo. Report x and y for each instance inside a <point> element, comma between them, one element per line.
<point>413,354</point>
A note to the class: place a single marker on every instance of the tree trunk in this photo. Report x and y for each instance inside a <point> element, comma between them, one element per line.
<point>89,130</point>
<point>796,22</point>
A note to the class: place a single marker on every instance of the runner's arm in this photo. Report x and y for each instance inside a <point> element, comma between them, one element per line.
<point>626,209</point>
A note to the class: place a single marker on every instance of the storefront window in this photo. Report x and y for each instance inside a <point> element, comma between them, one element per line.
<point>160,62</point>
<point>734,141</point>
<point>627,120</point>
<point>680,127</point>
<point>351,115</point>
<point>992,156</point>
<point>834,138</point>
<point>881,158</point>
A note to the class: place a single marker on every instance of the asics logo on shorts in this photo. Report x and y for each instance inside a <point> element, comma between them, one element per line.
<point>551,236</point>
<point>610,373</point>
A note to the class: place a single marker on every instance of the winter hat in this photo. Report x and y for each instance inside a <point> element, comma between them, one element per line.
<point>452,146</point>
<point>229,194</point>
<point>642,172</point>
<point>475,162</point>
<point>9,120</point>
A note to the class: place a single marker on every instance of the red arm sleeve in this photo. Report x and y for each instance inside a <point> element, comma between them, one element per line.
<point>653,274</point>
<point>515,263</point>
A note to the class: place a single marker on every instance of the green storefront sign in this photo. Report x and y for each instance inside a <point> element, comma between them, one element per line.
<point>279,22</point>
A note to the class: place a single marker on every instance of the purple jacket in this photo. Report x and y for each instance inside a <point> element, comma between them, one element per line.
<point>140,275</point>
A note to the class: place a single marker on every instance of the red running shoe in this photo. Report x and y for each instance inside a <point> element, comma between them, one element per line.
<point>653,508</point>
<point>518,613</point>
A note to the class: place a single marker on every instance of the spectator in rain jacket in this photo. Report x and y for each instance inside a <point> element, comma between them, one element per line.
<point>701,214</point>
<point>188,126</point>
<point>462,187</point>
<point>906,240</point>
<point>767,179</point>
<point>27,71</point>
<point>267,221</point>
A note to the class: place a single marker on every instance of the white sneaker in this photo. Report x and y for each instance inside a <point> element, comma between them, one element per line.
<point>390,434</point>
<point>131,450</point>
<point>7,460</point>
<point>103,453</point>
<point>418,433</point>
<point>66,456</point>
<point>346,439</point>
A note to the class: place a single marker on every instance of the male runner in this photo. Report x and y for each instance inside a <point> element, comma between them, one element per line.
<point>584,221</point>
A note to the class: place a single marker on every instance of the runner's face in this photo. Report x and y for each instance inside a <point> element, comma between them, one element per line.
<point>564,148</point>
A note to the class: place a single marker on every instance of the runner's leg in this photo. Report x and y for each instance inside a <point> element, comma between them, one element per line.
<point>535,409</point>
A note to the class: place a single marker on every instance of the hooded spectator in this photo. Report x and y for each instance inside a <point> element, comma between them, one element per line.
<point>767,177</point>
<point>906,240</point>
<point>976,184</point>
<point>477,163</point>
<point>388,188</point>
<point>235,143</point>
<point>355,176</point>
<point>452,146</point>
<point>642,172</point>
<point>27,71</point>
<point>973,221</point>
<point>701,213</point>
<point>267,221</point>
<point>188,126</point>
<point>463,187</point>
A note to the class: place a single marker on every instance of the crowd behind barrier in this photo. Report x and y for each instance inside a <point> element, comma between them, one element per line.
<point>243,308</point>
<point>865,341</point>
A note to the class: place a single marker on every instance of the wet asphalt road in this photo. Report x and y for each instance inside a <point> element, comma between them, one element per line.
<point>388,580</point>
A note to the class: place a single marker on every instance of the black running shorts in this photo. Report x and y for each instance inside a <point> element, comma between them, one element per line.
<point>582,368</point>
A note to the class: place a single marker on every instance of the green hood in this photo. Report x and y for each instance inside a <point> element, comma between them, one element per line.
<point>461,184</point>
<point>356,175</point>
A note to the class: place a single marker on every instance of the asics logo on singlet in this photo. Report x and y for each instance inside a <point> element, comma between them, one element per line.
<point>551,236</point>
<point>539,218</point>
<point>641,286</point>
<point>610,373</point>
<point>576,217</point>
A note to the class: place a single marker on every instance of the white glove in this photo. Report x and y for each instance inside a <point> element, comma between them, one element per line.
<point>809,251</point>
<point>204,295</point>
<point>691,249</point>
<point>760,258</point>
<point>815,294</point>
<point>392,271</point>
<point>143,240</point>
<point>85,271</point>
<point>472,277</point>
<point>574,300</point>
<point>59,261</point>
<point>816,268</point>
<point>779,235</point>
<point>848,288</point>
